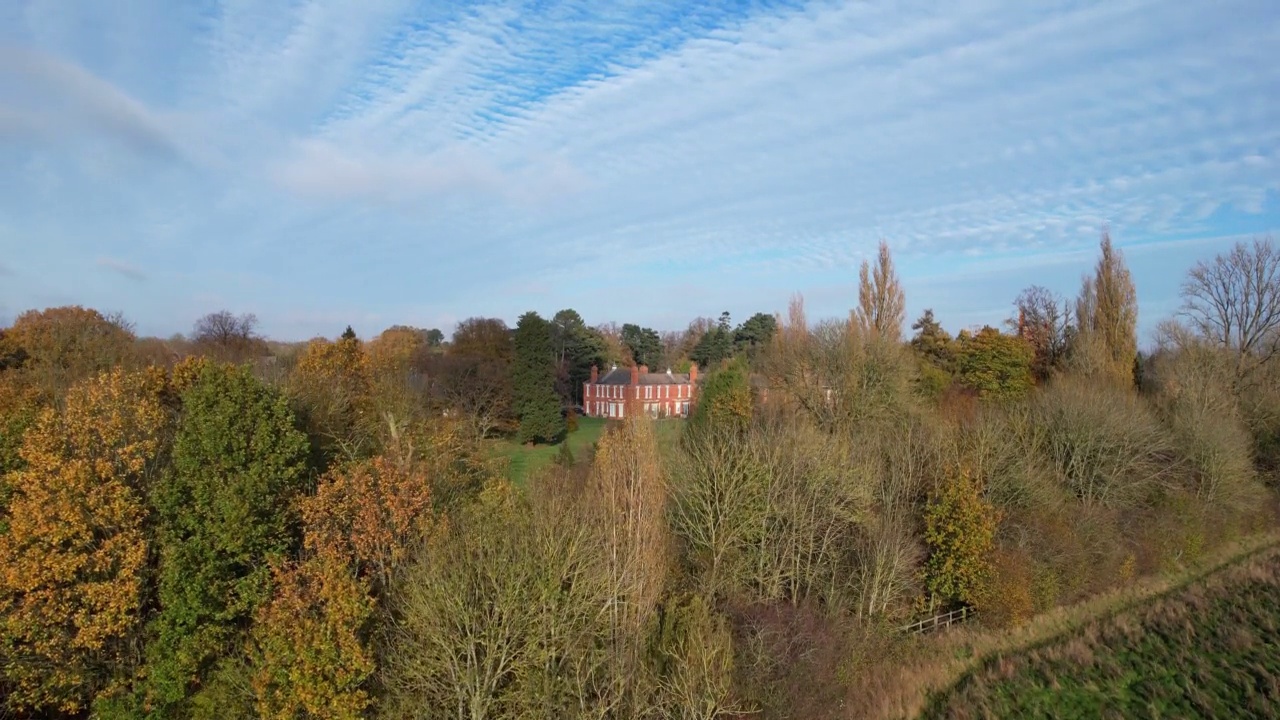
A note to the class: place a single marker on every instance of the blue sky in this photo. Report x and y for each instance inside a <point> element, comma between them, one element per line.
<point>374,162</point>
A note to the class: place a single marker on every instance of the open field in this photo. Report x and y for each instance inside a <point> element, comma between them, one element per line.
<point>523,462</point>
<point>1208,649</point>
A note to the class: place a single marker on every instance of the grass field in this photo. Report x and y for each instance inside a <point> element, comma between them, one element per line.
<point>1211,649</point>
<point>523,462</point>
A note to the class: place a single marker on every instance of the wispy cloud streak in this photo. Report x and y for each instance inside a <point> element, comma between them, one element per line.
<point>405,154</point>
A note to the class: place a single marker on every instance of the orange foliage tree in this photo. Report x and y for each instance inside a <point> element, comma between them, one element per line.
<point>65,344</point>
<point>73,562</point>
<point>311,640</point>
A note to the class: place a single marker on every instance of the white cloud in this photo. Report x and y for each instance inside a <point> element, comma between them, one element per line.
<point>454,154</point>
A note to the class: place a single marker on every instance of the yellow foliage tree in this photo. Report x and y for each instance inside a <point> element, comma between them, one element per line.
<point>73,563</point>
<point>310,653</point>
<point>960,529</point>
<point>332,389</point>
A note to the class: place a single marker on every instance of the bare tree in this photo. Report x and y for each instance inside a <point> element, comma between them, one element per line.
<point>1044,319</point>
<point>477,388</point>
<point>228,337</point>
<point>881,301</point>
<point>1234,302</point>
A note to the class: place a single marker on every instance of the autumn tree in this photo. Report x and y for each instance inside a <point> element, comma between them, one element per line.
<point>960,528</point>
<point>627,503</point>
<point>311,644</point>
<point>996,365</point>
<point>472,378</point>
<point>881,301</point>
<point>332,390</point>
<point>534,381</point>
<point>73,563</point>
<point>396,346</point>
<point>483,337</point>
<point>1043,318</point>
<point>63,345</point>
<point>309,648</point>
<point>1234,303</point>
<point>228,337</point>
<point>477,389</point>
<point>224,511</point>
<point>1106,341</point>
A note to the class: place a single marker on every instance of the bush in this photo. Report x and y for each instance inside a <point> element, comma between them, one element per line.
<point>1197,403</point>
<point>1106,446</point>
<point>1009,598</point>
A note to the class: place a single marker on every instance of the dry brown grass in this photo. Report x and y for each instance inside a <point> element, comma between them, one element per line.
<point>932,664</point>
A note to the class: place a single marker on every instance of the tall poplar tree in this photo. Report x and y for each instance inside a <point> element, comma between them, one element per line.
<point>534,377</point>
<point>1106,342</point>
<point>882,305</point>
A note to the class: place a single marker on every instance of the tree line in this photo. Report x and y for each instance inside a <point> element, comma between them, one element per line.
<point>200,533</point>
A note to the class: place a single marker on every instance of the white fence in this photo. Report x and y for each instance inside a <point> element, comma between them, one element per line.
<point>936,622</point>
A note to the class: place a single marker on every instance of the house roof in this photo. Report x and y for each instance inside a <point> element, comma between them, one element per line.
<point>622,376</point>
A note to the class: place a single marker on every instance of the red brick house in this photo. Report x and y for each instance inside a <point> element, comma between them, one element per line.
<point>659,395</point>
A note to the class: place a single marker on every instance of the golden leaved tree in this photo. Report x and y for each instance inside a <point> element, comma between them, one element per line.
<point>882,304</point>
<point>1106,341</point>
<point>73,562</point>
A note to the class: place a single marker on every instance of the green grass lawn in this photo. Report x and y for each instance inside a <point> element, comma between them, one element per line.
<point>1209,650</point>
<point>523,462</point>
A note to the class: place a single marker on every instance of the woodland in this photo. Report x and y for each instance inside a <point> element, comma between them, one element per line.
<point>225,526</point>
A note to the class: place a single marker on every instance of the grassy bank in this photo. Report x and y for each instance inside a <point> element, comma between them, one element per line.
<point>1204,650</point>
<point>928,670</point>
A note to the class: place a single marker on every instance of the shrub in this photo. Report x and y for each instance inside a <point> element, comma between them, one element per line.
<point>1010,598</point>
<point>1198,405</point>
<point>1106,446</point>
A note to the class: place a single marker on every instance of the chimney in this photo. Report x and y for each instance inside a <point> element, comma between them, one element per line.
<point>644,369</point>
<point>595,374</point>
<point>635,375</point>
<point>693,373</point>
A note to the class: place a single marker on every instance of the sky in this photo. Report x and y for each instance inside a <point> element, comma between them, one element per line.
<point>380,162</point>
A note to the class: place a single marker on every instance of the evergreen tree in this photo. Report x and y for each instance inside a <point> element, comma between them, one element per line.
<point>224,511</point>
<point>932,342</point>
<point>348,334</point>
<point>754,334</point>
<point>534,378</point>
<point>644,343</point>
<point>724,400</point>
<point>577,349</point>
